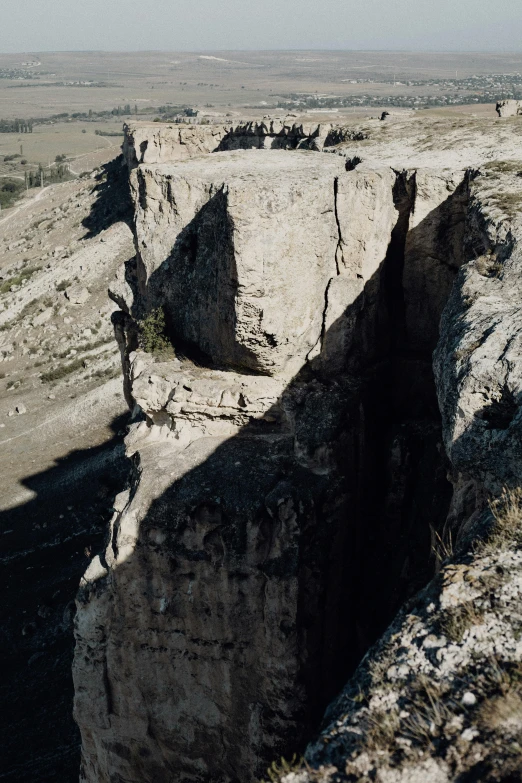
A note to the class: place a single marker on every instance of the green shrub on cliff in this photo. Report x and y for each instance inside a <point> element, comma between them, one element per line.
<point>152,332</point>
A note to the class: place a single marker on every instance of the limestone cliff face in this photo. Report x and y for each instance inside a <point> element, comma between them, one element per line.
<point>240,248</point>
<point>289,466</point>
<point>172,143</point>
<point>439,697</point>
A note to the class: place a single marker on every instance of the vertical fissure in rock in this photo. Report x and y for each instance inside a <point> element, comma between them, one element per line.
<point>339,259</point>
<point>405,493</point>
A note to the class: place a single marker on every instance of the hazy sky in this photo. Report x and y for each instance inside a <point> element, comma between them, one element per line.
<point>48,25</point>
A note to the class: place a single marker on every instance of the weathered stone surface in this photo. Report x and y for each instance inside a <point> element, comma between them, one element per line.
<point>240,248</point>
<point>509,108</point>
<point>165,143</point>
<point>434,250</point>
<point>428,699</point>
<point>478,367</point>
<point>291,482</point>
<point>216,575</point>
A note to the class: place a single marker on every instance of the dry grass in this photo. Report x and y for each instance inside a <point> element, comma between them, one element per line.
<point>507,529</point>
<point>488,266</point>
<point>18,279</point>
<point>504,166</point>
<point>455,622</point>
<point>278,769</point>
<point>430,710</point>
<point>502,712</point>
<point>441,545</point>
<point>382,730</point>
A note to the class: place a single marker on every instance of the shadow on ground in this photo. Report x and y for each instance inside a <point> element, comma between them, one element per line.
<point>113,200</point>
<point>46,546</point>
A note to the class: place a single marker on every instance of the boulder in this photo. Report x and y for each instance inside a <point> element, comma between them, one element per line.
<point>43,317</point>
<point>509,108</point>
<point>77,294</point>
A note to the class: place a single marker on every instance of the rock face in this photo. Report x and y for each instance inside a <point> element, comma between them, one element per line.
<point>173,143</point>
<point>509,108</point>
<point>290,474</point>
<point>212,234</point>
<point>439,696</point>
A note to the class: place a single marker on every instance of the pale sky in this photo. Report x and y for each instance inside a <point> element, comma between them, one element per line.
<point>195,25</point>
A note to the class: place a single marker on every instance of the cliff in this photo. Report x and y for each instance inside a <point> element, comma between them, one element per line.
<point>439,697</point>
<point>295,456</point>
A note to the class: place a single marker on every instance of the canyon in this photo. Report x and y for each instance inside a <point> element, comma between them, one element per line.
<point>330,407</point>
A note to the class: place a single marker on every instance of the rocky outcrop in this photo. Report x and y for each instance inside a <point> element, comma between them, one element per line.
<point>509,108</point>
<point>166,143</point>
<point>291,472</point>
<point>439,697</point>
<point>212,234</point>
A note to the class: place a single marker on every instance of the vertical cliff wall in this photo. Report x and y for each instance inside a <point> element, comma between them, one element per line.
<point>289,467</point>
<point>439,696</point>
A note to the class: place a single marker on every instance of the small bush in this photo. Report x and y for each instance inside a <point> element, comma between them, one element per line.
<point>10,191</point>
<point>18,279</point>
<point>152,335</point>
<point>57,373</point>
<point>63,284</point>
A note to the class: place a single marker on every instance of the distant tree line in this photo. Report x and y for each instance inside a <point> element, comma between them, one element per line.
<point>35,179</point>
<point>26,126</point>
<point>108,132</point>
<point>16,126</point>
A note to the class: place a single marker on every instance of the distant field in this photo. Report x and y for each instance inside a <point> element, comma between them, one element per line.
<point>234,80</point>
<point>48,141</point>
<point>222,86</point>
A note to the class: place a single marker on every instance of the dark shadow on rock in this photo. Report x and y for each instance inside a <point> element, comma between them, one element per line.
<point>47,544</point>
<point>197,286</point>
<point>113,203</point>
<point>336,516</point>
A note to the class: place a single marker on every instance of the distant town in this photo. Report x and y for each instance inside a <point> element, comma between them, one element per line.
<point>450,92</point>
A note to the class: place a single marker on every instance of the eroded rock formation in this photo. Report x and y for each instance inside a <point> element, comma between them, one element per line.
<point>439,697</point>
<point>290,473</point>
<point>509,108</point>
<point>172,143</point>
